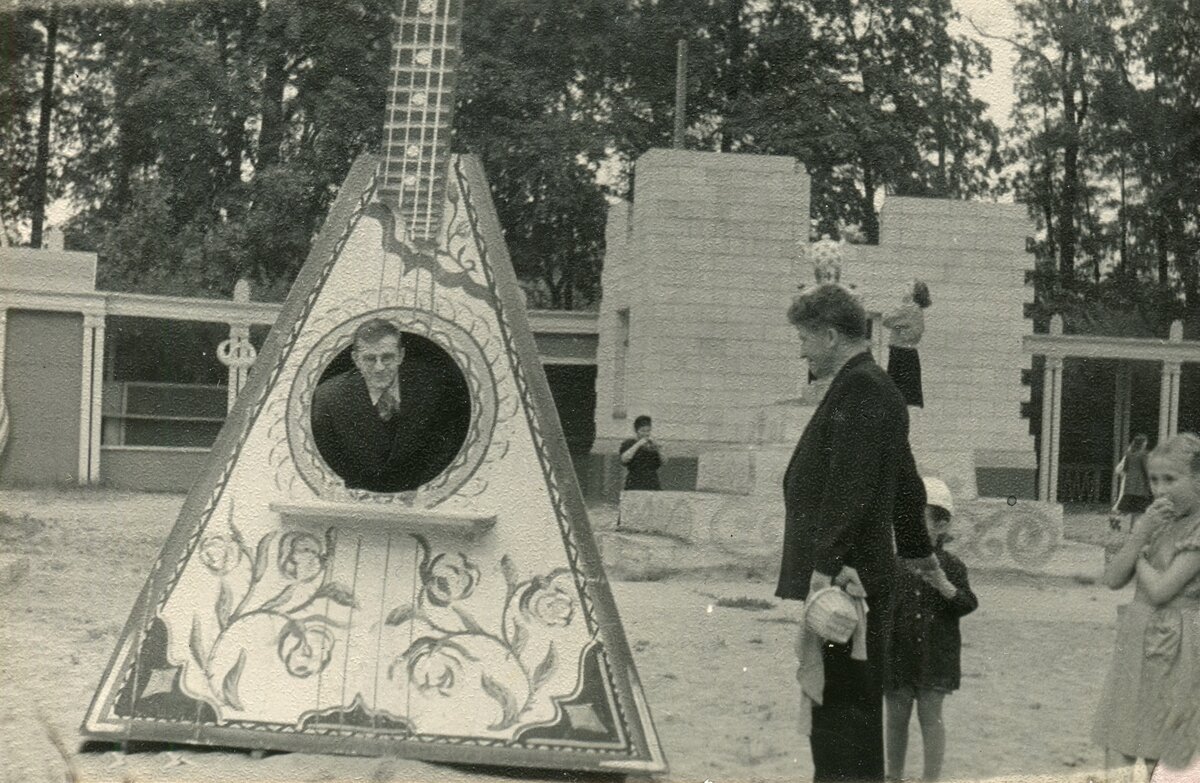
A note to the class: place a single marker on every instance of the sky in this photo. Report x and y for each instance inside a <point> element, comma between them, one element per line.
<point>995,17</point>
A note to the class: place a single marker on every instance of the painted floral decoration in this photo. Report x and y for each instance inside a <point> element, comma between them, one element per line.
<point>548,600</point>
<point>463,666</point>
<point>258,604</point>
<point>220,554</point>
<point>448,578</point>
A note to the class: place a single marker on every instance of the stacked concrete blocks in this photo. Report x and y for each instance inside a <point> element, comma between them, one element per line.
<point>699,273</point>
<point>697,278</point>
<point>972,256</point>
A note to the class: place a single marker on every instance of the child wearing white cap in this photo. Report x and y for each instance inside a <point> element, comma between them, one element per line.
<point>923,663</point>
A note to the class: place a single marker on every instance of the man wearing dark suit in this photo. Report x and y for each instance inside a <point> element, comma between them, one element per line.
<point>852,498</point>
<point>389,425</point>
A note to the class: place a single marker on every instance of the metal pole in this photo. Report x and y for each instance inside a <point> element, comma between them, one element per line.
<point>680,92</point>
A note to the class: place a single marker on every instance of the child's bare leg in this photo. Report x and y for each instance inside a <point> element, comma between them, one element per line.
<point>899,708</point>
<point>933,731</point>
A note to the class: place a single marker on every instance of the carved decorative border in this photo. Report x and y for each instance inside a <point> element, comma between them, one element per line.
<point>468,356</point>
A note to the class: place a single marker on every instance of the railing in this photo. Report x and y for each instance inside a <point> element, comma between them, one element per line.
<point>1084,484</point>
<point>142,414</point>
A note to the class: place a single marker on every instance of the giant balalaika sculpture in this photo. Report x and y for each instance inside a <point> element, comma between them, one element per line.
<point>464,618</point>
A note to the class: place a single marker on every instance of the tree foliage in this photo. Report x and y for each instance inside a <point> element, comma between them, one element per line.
<point>1106,152</point>
<point>870,96</point>
<point>209,138</point>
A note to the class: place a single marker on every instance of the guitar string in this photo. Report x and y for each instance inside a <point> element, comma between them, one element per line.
<point>387,560</point>
<point>401,225</point>
<point>412,632</point>
<point>330,558</point>
<point>437,127</point>
<point>427,189</point>
<point>391,118</point>
<point>350,623</point>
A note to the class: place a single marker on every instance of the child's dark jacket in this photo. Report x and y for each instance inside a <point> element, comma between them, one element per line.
<point>925,643</point>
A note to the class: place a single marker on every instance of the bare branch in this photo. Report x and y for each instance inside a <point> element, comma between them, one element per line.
<point>1011,42</point>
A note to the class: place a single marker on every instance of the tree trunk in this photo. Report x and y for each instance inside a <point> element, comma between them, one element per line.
<point>943,183</point>
<point>233,129</point>
<point>270,138</point>
<point>1069,198</point>
<point>42,161</point>
<point>735,46</point>
<point>1123,220</point>
<point>1047,195</point>
<point>870,218</point>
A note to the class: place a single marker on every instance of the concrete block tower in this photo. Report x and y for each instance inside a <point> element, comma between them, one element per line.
<point>697,278</point>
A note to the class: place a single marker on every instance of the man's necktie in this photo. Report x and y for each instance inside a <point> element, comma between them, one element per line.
<point>387,406</point>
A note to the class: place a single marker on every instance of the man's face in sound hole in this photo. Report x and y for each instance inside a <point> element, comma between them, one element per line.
<point>378,360</point>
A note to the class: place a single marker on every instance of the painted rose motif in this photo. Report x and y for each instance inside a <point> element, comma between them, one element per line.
<point>305,648</point>
<point>462,677</point>
<point>281,623</point>
<point>448,578</point>
<point>435,665</point>
<point>549,600</point>
<point>220,554</point>
<point>300,556</point>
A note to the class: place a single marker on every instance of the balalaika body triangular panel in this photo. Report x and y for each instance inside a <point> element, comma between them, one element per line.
<point>459,612</point>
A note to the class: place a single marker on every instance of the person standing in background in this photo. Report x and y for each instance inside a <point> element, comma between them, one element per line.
<point>907,325</point>
<point>1134,495</point>
<point>641,457</point>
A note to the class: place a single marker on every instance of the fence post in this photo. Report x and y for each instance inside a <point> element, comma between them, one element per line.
<point>237,353</point>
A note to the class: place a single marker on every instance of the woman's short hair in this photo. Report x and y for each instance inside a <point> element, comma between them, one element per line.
<point>830,304</point>
<point>920,294</point>
<point>642,421</point>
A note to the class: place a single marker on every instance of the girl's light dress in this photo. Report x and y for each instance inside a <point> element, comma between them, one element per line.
<point>1155,662</point>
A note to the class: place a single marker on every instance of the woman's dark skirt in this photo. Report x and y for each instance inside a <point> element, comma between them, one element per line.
<point>904,367</point>
<point>1133,504</point>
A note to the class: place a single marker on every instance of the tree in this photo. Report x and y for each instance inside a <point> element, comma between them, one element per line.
<point>1065,48</point>
<point>232,125</point>
<point>869,95</point>
<point>1105,146</point>
<point>1163,122</point>
<point>31,93</point>
<point>529,104</point>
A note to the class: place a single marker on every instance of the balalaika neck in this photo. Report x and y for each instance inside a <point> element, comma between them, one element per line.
<point>416,129</point>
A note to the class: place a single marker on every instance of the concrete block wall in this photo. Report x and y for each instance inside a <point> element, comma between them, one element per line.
<point>705,264</point>
<point>972,256</point>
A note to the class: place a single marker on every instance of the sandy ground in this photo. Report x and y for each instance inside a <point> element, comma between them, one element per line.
<point>719,678</point>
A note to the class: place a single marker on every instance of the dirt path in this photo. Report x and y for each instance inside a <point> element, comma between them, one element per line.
<point>715,658</point>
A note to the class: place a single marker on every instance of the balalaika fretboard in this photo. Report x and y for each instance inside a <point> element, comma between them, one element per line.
<point>417,128</point>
